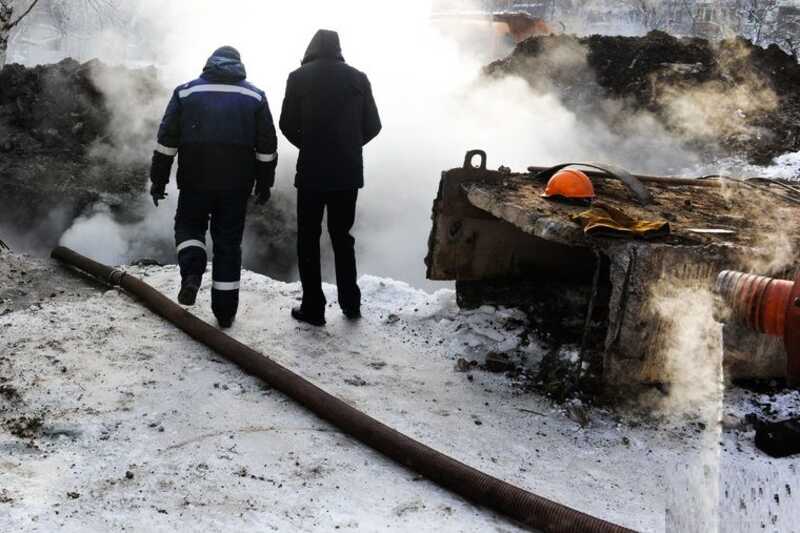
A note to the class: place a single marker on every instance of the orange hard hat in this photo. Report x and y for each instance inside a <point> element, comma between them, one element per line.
<point>569,183</point>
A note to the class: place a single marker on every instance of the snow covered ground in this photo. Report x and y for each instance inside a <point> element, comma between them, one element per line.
<point>785,167</point>
<point>114,420</point>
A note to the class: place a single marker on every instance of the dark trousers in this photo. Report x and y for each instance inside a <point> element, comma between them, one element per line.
<point>226,211</point>
<point>341,207</point>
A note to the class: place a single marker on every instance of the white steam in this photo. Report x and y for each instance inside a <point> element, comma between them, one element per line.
<point>101,234</point>
<point>434,103</point>
<point>116,244</point>
<point>693,355</point>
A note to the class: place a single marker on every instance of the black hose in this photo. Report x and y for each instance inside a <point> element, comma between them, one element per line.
<point>524,507</point>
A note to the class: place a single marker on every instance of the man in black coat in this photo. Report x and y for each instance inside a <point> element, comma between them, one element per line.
<point>329,114</point>
<point>221,130</point>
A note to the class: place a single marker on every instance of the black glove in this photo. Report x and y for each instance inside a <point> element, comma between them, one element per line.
<point>262,195</point>
<point>158,192</point>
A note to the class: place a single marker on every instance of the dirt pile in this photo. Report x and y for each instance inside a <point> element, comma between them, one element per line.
<point>27,282</point>
<point>52,120</point>
<point>727,99</point>
<point>62,107</point>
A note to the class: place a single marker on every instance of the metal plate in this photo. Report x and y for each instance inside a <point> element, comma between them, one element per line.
<point>712,231</point>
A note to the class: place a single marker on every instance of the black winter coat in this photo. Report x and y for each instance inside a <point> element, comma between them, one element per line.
<point>329,113</point>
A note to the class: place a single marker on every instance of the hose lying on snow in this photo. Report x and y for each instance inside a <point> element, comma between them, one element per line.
<point>529,509</point>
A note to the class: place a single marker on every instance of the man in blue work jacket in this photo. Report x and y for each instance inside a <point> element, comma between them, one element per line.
<point>222,131</point>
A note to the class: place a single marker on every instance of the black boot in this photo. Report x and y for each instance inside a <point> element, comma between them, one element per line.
<point>302,316</point>
<point>225,322</point>
<point>189,287</point>
<point>352,313</point>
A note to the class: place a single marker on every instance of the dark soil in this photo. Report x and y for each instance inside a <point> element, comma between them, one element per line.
<point>779,439</point>
<point>51,117</point>
<point>61,106</point>
<point>556,316</point>
<point>8,392</point>
<point>639,70</point>
<point>25,427</point>
<point>27,281</point>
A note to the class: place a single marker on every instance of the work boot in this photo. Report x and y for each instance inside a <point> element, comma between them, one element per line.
<point>189,287</point>
<point>352,313</point>
<point>226,322</point>
<point>300,315</point>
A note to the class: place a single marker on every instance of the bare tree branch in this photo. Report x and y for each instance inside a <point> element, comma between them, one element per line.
<point>27,12</point>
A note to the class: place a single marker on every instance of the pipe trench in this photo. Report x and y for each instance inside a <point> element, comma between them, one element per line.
<point>526,508</point>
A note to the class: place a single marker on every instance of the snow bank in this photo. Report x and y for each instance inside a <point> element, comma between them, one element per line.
<point>138,427</point>
<point>785,167</point>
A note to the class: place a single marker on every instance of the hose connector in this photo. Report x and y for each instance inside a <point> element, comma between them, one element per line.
<point>766,305</point>
<point>115,277</point>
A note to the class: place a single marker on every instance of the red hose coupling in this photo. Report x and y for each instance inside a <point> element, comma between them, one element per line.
<point>769,306</point>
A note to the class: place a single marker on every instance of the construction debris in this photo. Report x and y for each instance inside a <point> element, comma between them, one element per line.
<point>505,244</point>
<point>779,439</point>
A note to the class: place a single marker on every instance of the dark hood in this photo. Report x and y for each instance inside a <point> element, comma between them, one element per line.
<point>225,65</point>
<point>324,45</point>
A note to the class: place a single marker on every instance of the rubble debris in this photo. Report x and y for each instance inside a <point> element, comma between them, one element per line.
<point>5,497</point>
<point>147,262</point>
<point>648,73</point>
<point>8,392</point>
<point>25,427</point>
<point>56,431</point>
<point>356,381</point>
<point>499,363</point>
<point>779,439</point>
<point>27,281</point>
<point>462,365</point>
<point>577,412</point>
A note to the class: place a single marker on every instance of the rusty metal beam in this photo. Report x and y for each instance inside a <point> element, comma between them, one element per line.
<point>656,180</point>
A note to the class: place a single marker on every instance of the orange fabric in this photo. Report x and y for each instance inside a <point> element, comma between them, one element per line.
<point>570,183</point>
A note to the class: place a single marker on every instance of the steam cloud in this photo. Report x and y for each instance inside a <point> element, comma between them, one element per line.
<point>692,352</point>
<point>435,105</point>
<point>718,109</point>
